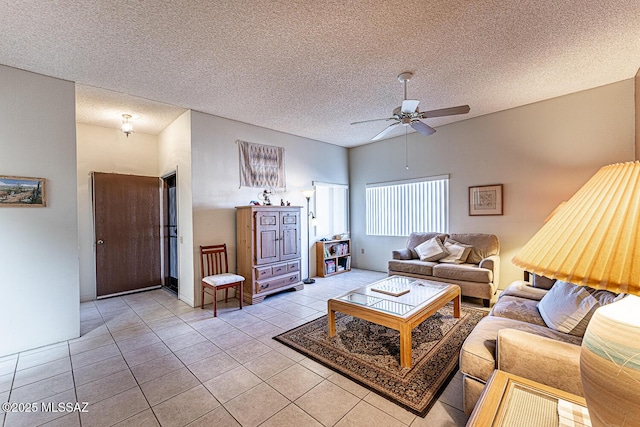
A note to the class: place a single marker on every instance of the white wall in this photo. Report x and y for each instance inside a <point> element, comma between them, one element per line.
<point>39,246</point>
<point>107,150</point>
<point>216,181</point>
<point>174,154</point>
<point>542,153</point>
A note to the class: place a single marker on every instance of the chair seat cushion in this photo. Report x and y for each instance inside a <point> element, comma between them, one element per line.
<point>222,279</point>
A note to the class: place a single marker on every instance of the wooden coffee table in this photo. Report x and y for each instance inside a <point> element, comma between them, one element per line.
<point>402,312</point>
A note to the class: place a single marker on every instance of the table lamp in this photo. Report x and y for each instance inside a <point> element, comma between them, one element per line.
<point>594,240</point>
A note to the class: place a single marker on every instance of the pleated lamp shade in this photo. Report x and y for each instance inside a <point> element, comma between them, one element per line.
<point>594,240</point>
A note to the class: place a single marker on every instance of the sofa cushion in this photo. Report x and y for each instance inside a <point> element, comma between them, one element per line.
<point>416,238</point>
<point>431,250</point>
<point>483,245</point>
<point>568,307</point>
<point>412,266</point>
<point>466,272</point>
<point>516,308</point>
<point>457,252</point>
<point>477,357</point>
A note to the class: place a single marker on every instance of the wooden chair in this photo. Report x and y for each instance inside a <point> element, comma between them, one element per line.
<point>215,274</point>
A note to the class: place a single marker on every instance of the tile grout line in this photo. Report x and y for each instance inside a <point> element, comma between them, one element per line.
<point>128,367</point>
<point>231,322</point>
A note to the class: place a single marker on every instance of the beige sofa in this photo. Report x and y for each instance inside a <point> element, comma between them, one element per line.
<point>515,338</point>
<point>478,277</point>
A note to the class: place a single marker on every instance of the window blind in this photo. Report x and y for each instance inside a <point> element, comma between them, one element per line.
<point>401,207</point>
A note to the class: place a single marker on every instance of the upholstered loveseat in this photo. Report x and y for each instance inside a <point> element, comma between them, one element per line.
<point>477,274</point>
<point>514,337</point>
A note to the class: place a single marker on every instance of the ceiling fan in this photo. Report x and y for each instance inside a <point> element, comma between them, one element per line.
<point>409,115</point>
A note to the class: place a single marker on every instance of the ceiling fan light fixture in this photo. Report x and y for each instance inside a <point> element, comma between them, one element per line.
<point>409,115</point>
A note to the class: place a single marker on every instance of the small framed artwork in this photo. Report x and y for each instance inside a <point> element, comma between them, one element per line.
<point>485,200</point>
<point>22,191</point>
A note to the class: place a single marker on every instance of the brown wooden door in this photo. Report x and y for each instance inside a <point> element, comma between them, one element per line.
<point>127,231</point>
<point>290,232</point>
<point>267,237</point>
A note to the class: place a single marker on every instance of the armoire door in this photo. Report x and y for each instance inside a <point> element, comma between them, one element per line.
<point>127,232</point>
<point>290,235</point>
<point>267,237</point>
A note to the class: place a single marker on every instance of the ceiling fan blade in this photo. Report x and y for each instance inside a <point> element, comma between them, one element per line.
<point>409,105</point>
<point>422,128</point>
<point>385,131</point>
<point>461,109</point>
<point>372,120</point>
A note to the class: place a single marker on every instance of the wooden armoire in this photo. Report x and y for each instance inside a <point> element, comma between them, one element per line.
<point>269,250</point>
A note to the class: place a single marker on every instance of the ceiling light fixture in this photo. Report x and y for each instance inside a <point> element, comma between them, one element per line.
<point>127,125</point>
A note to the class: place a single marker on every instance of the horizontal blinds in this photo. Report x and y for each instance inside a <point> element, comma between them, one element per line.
<point>416,206</point>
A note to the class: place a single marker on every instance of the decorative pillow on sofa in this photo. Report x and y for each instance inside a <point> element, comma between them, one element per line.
<point>431,250</point>
<point>458,252</point>
<point>568,308</point>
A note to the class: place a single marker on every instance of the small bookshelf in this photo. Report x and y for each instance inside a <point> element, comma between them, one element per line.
<point>333,257</point>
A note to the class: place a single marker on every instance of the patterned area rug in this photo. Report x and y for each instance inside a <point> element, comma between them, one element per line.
<point>370,354</point>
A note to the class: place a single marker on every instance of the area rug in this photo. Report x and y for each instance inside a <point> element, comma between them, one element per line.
<point>369,354</point>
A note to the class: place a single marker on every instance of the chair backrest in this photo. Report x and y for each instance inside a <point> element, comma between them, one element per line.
<point>213,260</point>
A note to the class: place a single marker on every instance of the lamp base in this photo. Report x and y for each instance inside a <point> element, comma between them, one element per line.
<point>308,281</point>
<point>609,364</point>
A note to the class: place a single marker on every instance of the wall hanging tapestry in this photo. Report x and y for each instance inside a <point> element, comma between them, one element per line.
<point>261,165</point>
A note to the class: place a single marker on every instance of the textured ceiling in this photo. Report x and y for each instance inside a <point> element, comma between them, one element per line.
<point>310,68</point>
<point>102,107</point>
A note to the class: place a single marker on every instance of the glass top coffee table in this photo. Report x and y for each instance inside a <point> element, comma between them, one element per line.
<point>397,302</point>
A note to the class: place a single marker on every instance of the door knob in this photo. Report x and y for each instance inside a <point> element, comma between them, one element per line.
<point>100,242</point>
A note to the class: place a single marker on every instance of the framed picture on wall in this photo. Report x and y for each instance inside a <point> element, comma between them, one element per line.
<point>22,191</point>
<point>485,200</point>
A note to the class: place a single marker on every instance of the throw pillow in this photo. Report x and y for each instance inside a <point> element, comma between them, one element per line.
<point>431,250</point>
<point>458,252</point>
<point>568,308</point>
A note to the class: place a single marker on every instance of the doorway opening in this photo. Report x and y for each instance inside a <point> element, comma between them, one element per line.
<point>170,216</point>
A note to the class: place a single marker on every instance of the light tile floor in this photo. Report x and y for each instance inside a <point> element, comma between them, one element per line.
<point>148,359</point>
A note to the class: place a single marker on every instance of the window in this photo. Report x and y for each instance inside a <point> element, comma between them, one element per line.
<point>332,209</point>
<point>401,207</point>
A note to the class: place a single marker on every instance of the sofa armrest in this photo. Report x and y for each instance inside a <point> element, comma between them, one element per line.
<point>402,254</point>
<point>541,359</point>
<point>492,263</point>
<point>522,289</point>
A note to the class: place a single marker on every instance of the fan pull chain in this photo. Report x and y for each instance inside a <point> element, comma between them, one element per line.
<point>406,149</point>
